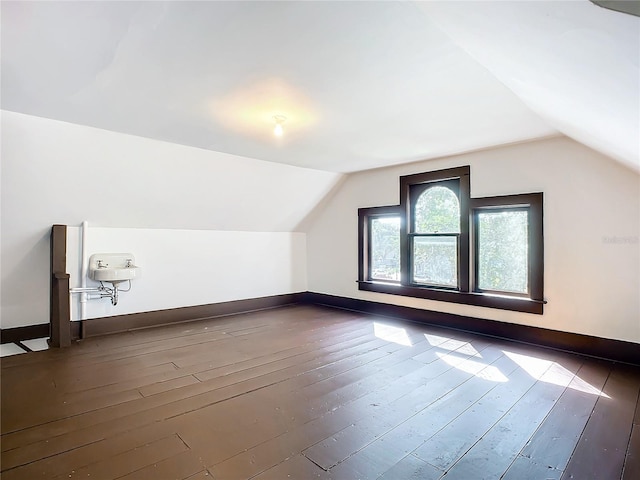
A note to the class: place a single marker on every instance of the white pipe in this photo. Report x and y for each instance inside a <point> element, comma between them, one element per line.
<point>97,292</point>
<point>84,289</point>
<point>84,271</point>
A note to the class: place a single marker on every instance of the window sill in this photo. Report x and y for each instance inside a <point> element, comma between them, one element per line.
<point>516,304</point>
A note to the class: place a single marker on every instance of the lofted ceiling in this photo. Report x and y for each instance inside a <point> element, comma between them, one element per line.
<point>361,84</point>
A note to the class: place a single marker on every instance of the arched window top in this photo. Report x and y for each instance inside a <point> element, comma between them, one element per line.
<point>437,210</point>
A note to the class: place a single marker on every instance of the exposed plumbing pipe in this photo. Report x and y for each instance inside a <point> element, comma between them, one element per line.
<point>101,292</point>
<point>84,289</point>
<point>84,271</point>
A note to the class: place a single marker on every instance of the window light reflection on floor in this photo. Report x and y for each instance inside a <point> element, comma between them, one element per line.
<point>479,369</point>
<point>540,369</point>
<point>551,372</point>
<point>536,367</point>
<point>446,343</point>
<point>391,334</point>
<point>468,349</point>
<point>435,340</point>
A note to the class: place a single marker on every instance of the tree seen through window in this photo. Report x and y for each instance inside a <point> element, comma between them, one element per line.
<point>385,248</point>
<point>436,220</point>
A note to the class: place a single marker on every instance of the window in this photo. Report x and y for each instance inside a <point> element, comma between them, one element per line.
<point>502,250</point>
<point>379,244</point>
<point>443,245</point>
<point>434,236</point>
<point>508,246</point>
<point>385,248</point>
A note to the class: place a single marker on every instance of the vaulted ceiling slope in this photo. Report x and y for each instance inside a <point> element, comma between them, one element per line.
<point>362,84</point>
<point>573,63</point>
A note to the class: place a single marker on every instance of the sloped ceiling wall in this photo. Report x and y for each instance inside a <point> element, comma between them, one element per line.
<point>57,172</point>
<point>363,84</point>
<point>573,63</point>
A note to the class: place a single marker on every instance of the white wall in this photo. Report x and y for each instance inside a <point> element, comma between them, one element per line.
<point>591,228</point>
<point>159,195</point>
<point>56,172</point>
<point>191,267</point>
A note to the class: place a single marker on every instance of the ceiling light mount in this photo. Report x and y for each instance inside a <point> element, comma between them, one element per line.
<point>279,119</point>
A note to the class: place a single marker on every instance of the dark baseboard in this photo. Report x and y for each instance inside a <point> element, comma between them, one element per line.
<point>122,323</point>
<point>18,334</point>
<point>609,349</point>
<point>616,350</point>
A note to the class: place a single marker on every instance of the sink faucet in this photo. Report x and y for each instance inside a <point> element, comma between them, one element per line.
<point>102,265</point>
<point>128,265</point>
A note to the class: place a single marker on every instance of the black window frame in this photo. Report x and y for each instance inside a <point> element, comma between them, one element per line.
<point>409,193</point>
<point>364,239</point>
<point>532,203</point>
<point>373,216</point>
<point>415,193</point>
<point>466,293</point>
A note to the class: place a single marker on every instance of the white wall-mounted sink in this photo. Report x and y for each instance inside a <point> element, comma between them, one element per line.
<point>113,267</point>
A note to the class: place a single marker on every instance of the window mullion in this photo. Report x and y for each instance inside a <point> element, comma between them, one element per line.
<point>405,261</point>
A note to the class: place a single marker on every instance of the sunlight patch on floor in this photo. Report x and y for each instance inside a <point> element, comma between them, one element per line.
<point>8,349</point>
<point>37,344</point>
<point>582,386</point>
<point>34,345</point>
<point>536,367</point>
<point>468,349</point>
<point>551,372</point>
<point>447,343</point>
<point>435,340</point>
<point>479,369</point>
<point>391,334</point>
<point>452,344</point>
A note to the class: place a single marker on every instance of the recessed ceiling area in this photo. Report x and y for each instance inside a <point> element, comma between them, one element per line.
<point>361,84</point>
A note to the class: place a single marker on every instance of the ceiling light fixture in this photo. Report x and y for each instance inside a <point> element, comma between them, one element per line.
<point>279,119</point>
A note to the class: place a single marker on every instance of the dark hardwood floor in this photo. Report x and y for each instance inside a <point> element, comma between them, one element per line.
<point>305,392</point>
